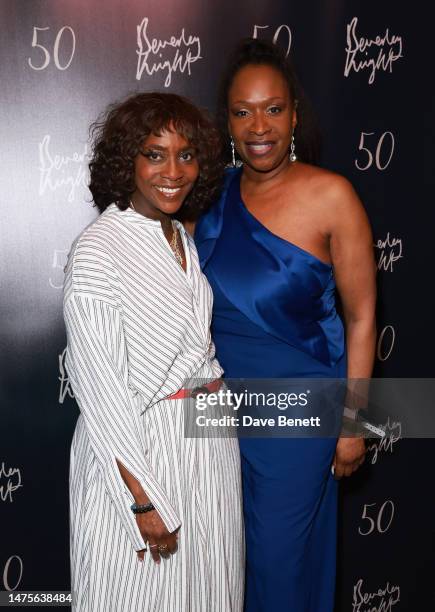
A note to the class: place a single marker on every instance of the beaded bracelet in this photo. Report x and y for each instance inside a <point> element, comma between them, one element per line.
<point>142,508</point>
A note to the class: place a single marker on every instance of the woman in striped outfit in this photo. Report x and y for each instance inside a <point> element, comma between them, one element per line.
<point>155,516</point>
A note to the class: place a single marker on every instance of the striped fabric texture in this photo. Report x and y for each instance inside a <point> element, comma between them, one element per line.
<point>138,327</point>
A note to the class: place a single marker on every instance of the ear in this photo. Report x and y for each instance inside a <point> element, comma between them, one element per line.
<point>294,115</point>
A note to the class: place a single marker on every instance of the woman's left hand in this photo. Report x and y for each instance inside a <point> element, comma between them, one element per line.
<point>349,455</point>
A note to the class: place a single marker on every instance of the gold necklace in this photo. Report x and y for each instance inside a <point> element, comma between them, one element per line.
<point>174,244</point>
<point>174,241</point>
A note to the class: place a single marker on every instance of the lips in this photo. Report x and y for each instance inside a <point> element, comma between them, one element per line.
<point>260,147</point>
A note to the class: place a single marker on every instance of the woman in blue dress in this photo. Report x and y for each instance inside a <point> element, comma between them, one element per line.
<point>284,235</point>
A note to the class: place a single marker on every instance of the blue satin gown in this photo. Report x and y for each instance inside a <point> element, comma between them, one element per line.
<point>274,317</point>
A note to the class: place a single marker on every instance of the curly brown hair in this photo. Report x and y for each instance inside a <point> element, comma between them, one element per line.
<point>118,136</point>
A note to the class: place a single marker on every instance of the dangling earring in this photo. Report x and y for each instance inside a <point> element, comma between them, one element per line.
<point>292,156</point>
<point>236,162</point>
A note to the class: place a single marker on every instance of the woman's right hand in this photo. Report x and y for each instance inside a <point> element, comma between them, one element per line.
<point>160,541</point>
<point>151,526</point>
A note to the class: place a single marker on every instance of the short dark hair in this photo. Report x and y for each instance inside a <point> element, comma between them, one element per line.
<point>118,136</point>
<point>253,51</point>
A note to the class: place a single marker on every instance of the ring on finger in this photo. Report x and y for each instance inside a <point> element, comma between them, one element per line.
<point>163,547</point>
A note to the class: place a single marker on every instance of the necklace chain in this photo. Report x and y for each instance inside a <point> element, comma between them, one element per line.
<point>173,242</point>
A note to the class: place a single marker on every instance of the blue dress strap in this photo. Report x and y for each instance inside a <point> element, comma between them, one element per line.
<point>209,226</point>
<point>281,288</point>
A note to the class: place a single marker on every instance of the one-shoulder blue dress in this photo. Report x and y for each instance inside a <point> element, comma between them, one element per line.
<point>274,316</point>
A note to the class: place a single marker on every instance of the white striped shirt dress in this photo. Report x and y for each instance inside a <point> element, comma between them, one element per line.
<point>138,326</point>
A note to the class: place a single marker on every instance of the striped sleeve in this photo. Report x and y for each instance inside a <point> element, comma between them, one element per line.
<point>95,354</point>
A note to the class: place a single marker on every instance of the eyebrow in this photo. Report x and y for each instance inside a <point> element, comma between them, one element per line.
<point>160,148</point>
<point>267,100</point>
<point>155,146</point>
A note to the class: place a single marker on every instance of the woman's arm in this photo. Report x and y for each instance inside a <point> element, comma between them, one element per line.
<point>96,362</point>
<point>111,417</point>
<point>351,246</point>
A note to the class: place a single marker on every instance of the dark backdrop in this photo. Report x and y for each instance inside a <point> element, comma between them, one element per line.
<point>61,63</point>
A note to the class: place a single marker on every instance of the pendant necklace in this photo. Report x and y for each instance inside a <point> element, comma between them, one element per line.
<point>173,242</point>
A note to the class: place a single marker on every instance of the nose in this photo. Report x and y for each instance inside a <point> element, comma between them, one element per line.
<point>173,170</point>
<point>259,125</point>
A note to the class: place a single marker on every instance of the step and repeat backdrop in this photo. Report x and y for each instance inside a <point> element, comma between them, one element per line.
<point>61,63</point>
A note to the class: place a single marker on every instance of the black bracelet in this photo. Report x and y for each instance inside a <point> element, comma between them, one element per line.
<point>142,508</point>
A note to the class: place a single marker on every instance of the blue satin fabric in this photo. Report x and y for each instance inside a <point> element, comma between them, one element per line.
<point>281,288</point>
<point>274,317</point>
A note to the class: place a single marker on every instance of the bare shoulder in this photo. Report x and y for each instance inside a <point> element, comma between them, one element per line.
<point>325,185</point>
<point>332,195</point>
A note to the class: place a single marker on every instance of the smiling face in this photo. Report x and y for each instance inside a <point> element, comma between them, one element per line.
<point>165,172</point>
<point>261,117</point>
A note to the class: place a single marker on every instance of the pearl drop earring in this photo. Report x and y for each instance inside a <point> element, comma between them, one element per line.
<point>292,156</point>
<point>236,162</point>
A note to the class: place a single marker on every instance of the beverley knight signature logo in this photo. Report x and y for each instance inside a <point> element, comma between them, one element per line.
<point>175,54</point>
<point>58,171</point>
<point>390,250</point>
<point>371,54</point>
<point>381,600</point>
<point>65,389</point>
<point>10,481</point>
<point>393,433</point>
